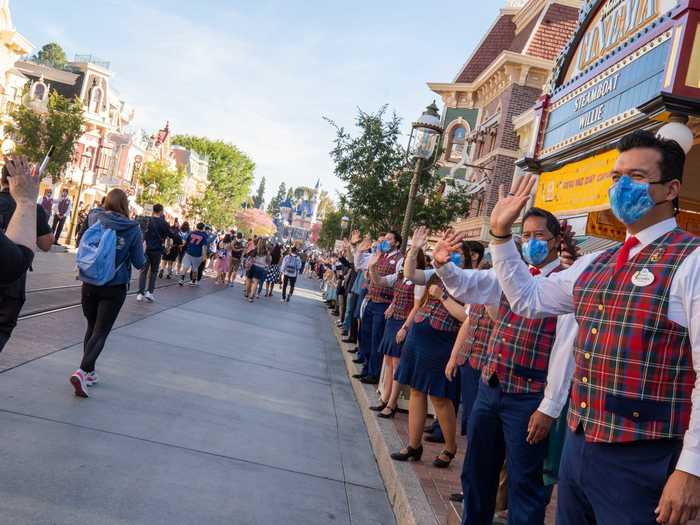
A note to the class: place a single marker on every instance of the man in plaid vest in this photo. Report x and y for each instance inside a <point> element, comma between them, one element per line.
<point>379,299</point>
<point>632,454</point>
<point>519,395</point>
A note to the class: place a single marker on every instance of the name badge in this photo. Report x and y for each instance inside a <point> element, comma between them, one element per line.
<point>392,262</point>
<point>642,278</point>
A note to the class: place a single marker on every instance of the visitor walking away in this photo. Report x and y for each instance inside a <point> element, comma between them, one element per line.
<point>195,251</point>
<point>155,231</point>
<point>291,269</point>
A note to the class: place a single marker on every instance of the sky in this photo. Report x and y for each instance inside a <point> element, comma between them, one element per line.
<point>262,74</point>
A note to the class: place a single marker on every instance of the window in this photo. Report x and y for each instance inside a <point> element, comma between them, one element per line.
<point>457,142</point>
<point>95,99</point>
<point>39,91</point>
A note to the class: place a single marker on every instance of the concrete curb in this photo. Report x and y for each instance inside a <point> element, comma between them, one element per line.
<point>410,504</point>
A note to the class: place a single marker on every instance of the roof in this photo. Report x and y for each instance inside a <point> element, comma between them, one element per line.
<point>63,82</point>
<point>499,38</point>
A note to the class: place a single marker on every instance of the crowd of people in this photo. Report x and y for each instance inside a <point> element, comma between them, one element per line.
<point>581,370</point>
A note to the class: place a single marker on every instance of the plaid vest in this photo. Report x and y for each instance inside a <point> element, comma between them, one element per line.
<point>403,298</point>
<point>634,375</point>
<point>437,315</point>
<point>385,266</point>
<point>477,340</point>
<point>518,351</point>
<point>63,206</point>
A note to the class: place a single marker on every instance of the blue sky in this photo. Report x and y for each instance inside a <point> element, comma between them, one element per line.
<point>262,74</point>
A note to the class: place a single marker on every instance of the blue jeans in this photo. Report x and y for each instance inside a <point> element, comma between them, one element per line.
<point>496,432</point>
<point>613,482</point>
<point>371,333</point>
<point>349,309</point>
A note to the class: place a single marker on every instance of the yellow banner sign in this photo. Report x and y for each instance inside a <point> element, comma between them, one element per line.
<point>578,187</point>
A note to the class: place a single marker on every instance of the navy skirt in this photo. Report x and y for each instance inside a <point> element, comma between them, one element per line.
<point>431,351</point>
<point>404,371</point>
<point>388,345</point>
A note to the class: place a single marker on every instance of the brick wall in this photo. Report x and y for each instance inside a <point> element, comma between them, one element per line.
<point>553,33</point>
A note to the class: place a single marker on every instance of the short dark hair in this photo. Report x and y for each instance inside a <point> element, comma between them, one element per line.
<point>672,155</point>
<point>239,235</point>
<point>200,225</point>
<point>157,208</point>
<point>469,247</point>
<point>553,224</point>
<point>397,236</point>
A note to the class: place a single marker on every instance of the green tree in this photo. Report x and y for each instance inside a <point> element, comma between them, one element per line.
<point>168,184</point>
<point>52,54</point>
<point>230,179</point>
<point>59,127</point>
<point>331,229</point>
<point>373,167</point>
<point>325,205</point>
<point>274,207</point>
<point>259,198</point>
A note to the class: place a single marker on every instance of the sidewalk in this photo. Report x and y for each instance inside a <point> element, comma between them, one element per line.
<point>212,411</point>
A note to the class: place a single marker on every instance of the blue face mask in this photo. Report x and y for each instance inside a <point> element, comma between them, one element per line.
<point>630,200</point>
<point>456,258</point>
<point>535,251</point>
<point>384,246</point>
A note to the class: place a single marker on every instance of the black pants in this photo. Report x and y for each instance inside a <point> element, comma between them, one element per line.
<point>152,265</point>
<point>200,270</point>
<point>288,280</point>
<point>101,305</point>
<point>57,227</point>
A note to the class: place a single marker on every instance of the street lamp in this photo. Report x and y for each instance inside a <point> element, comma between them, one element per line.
<point>85,159</point>
<point>425,133</point>
<point>344,221</point>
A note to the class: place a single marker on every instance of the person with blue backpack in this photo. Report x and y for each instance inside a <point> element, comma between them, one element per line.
<point>107,251</point>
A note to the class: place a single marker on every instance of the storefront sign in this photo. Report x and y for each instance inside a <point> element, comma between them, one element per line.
<point>577,187</point>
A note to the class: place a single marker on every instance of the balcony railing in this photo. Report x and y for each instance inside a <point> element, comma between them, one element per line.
<point>91,59</point>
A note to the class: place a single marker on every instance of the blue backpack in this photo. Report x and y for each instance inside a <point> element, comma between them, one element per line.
<point>97,255</point>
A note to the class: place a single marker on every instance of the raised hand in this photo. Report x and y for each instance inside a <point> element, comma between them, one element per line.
<point>355,237</point>
<point>450,242</point>
<point>509,207</point>
<point>366,244</point>
<point>568,250</point>
<point>374,259</point>
<point>22,179</point>
<point>420,238</point>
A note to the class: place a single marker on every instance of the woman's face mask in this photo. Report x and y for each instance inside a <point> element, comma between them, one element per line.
<point>456,258</point>
<point>535,251</point>
<point>630,200</point>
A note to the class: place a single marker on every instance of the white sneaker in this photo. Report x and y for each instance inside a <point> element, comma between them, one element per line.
<point>149,297</point>
<point>79,383</point>
<point>92,378</point>
<point>139,297</point>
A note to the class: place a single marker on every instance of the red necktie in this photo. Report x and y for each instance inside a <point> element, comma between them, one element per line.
<point>534,271</point>
<point>624,254</point>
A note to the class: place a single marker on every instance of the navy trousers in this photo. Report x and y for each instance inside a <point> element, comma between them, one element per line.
<point>372,331</point>
<point>618,483</point>
<point>470,380</point>
<point>349,309</point>
<point>497,430</point>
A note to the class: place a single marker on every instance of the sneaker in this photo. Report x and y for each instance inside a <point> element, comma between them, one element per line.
<point>160,274</point>
<point>193,283</point>
<point>79,383</point>
<point>169,276</point>
<point>139,297</point>
<point>182,282</point>
<point>149,297</point>
<point>92,379</point>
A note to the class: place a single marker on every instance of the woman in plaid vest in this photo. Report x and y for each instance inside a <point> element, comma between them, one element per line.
<point>632,453</point>
<point>519,395</point>
<point>399,316</point>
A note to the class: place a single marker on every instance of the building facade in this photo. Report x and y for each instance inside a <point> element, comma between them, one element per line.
<point>629,65</point>
<point>502,79</point>
<point>196,169</point>
<point>12,46</point>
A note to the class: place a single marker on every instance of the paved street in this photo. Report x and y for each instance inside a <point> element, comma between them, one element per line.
<point>211,411</point>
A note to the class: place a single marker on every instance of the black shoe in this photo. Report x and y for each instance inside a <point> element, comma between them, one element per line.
<point>370,380</point>
<point>344,333</point>
<point>350,340</point>
<point>353,351</point>
<point>359,360</point>
<point>357,376</point>
<point>390,415</point>
<point>457,496</point>
<point>411,453</point>
<point>160,274</point>
<point>378,408</point>
<point>440,463</point>
<point>435,439</point>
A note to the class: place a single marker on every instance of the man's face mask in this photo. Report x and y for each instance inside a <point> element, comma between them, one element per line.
<point>630,200</point>
<point>385,246</point>
<point>535,251</point>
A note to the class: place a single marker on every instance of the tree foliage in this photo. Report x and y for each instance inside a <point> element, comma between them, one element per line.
<point>168,184</point>
<point>259,197</point>
<point>59,127</point>
<point>377,178</point>
<point>51,54</point>
<point>230,178</point>
<point>325,205</point>
<point>274,207</point>
<point>254,221</point>
<point>331,229</point>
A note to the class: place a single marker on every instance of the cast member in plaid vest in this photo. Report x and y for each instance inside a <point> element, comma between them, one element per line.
<point>63,211</point>
<point>519,395</point>
<point>632,454</point>
<point>399,318</point>
<point>427,351</point>
<point>388,262</point>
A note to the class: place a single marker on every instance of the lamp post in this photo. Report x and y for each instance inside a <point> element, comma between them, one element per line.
<point>344,222</point>
<point>425,133</point>
<point>85,159</point>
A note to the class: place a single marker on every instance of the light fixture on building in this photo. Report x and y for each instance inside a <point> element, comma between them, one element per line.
<point>425,133</point>
<point>677,130</point>
<point>344,221</point>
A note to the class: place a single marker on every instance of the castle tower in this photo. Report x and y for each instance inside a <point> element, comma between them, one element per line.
<point>315,201</point>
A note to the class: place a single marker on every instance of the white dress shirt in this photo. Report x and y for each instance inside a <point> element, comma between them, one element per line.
<point>482,287</point>
<point>554,296</point>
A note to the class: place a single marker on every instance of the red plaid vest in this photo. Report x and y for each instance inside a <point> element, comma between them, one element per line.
<point>437,315</point>
<point>634,374</point>
<point>403,298</point>
<point>387,265</point>
<point>477,340</point>
<point>518,351</point>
